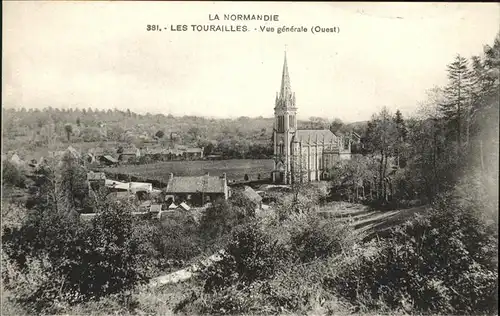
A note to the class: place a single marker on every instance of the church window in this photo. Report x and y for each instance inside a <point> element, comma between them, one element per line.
<point>281,123</point>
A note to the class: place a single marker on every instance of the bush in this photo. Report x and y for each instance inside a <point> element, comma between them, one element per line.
<point>271,267</point>
<point>252,254</point>
<point>178,240</point>
<point>12,175</point>
<point>73,261</point>
<point>219,219</point>
<point>315,238</point>
<point>443,262</point>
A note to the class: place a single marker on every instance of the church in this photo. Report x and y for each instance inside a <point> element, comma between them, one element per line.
<point>301,155</point>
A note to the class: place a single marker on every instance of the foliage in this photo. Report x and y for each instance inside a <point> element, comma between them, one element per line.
<point>72,261</point>
<point>251,254</point>
<point>263,267</point>
<point>178,240</point>
<point>442,262</point>
<point>72,183</point>
<point>241,201</point>
<point>69,130</point>
<point>12,175</point>
<point>314,238</point>
<point>219,219</point>
<point>352,178</point>
<point>160,134</point>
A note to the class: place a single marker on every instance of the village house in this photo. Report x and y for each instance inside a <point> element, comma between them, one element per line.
<point>129,154</point>
<point>193,153</point>
<point>198,190</point>
<point>108,161</point>
<point>174,154</point>
<point>177,153</point>
<point>156,154</point>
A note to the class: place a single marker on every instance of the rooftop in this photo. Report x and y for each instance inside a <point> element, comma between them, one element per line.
<point>252,195</point>
<point>315,136</point>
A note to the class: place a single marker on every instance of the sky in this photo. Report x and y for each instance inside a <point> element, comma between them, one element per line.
<point>100,55</point>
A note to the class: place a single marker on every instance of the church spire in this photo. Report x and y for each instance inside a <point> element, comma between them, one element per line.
<point>286,90</point>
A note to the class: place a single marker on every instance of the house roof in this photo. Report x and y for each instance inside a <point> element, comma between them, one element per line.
<point>155,151</point>
<point>315,136</point>
<point>129,152</point>
<point>117,184</point>
<point>141,186</point>
<point>206,183</point>
<point>252,195</point>
<point>155,208</point>
<point>184,206</point>
<point>121,195</point>
<point>174,151</point>
<point>111,159</point>
<point>194,150</point>
<point>96,176</point>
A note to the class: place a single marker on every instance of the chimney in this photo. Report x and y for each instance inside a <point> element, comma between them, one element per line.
<point>207,174</point>
<point>170,176</point>
<point>223,176</point>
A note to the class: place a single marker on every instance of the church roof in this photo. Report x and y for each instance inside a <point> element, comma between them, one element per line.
<point>315,135</point>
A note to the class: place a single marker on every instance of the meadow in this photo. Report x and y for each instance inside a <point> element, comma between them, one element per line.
<point>235,169</point>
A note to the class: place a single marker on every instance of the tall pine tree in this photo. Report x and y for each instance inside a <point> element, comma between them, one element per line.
<point>455,108</point>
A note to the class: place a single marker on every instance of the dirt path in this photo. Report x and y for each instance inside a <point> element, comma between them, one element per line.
<point>184,274</point>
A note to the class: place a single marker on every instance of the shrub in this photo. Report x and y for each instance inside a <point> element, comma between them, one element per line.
<point>319,238</point>
<point>12,175</point>
<point>178,240</point>
<point>252,254</point>
<point>73,261</point>
<point>262,268</point>
<point>219,219</point>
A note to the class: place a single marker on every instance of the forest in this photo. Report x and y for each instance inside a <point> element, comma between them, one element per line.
<point>28,131</point>
<point>291,259</point>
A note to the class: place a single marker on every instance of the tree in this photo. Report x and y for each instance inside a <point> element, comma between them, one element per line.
<point>379,140</point>
<point>78,122</point>
<point>337,126</point>
<point>78,261</point>
<point>218,220</point>
<point>72,182</point>
<point>401,136</point>
<point>12,175</point>
<point>349,178</point>
<point>455,108</point>
<point>69,130</point>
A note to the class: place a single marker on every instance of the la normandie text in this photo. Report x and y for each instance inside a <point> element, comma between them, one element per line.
<point>244,17</point>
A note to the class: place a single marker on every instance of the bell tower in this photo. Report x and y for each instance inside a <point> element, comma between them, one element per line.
<point>285,125</point>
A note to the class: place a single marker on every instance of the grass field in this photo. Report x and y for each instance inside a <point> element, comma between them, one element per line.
<point>235,169</point>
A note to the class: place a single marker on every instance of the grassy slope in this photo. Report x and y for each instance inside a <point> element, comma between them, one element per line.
<point>235,169</point>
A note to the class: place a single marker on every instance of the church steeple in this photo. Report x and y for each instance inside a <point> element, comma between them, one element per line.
<point>285,126</point>
<point>285,98</point>
<point>286,89</point>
